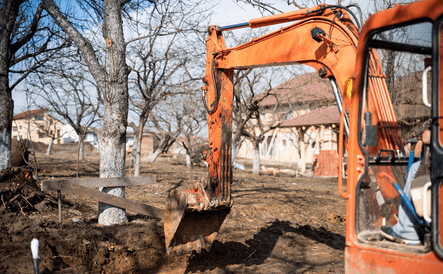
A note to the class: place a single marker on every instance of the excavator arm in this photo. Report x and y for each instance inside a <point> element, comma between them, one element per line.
<point>323,37</point>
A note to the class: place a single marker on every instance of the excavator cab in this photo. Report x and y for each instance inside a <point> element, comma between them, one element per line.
<point>395,102</point>
<point>393,117</point>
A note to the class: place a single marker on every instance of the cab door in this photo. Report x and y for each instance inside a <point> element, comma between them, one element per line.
<point>437,139</point>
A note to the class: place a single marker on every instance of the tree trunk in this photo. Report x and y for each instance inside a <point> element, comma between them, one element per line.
<point>6,110</point>
<point>235,148</point>
<point>48,151</point>
<point>256,158</point>
<point>154,156</point>
<point>188,158</point>
<point>115,90</point>
<point>134,152</point>
<point>112,162</point>
<point>302,164</point>
<point>138,152</point>
<point>9,13</point>
<point>137,164</point>
<point>234,152</point>
<point>81,148</point>
<point>165,144</point>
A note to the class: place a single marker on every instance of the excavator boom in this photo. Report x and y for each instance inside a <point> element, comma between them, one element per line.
<point>322,37</point>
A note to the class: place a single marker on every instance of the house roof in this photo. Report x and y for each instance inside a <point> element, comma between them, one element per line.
<point>301,89</point>
<point>28,113</point>
<point>321,116</point>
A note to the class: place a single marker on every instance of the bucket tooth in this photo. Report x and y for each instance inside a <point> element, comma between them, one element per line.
<point>168,250</point>
<point>199,246</point>
<point>189,248</point>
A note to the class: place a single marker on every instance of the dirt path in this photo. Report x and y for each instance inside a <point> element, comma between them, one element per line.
<point>278,224</point>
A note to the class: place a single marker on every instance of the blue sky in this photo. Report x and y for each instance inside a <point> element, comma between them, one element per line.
<point>226,12</point>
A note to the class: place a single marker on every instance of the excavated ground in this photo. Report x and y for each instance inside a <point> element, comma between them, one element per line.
<point>279,224</point>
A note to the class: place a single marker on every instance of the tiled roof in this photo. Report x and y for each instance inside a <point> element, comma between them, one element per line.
<point>28,113</point>
<point>321,116</point>
<point>301,89</point>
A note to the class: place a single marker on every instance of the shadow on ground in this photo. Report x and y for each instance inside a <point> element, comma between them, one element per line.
<point>257,250</point>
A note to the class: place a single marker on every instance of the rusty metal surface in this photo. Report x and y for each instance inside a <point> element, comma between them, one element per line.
<point>192,220</point>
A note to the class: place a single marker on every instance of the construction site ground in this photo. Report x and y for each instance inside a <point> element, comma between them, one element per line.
<point>280,223</point>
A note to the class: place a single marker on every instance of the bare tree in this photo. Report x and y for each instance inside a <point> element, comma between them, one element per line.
<point>68,91</point>
<point>24,46</point>
<point>193,120</point>
<point>160,61</point>
<point>247,119</point>
<point>166,128</point>
<point>111,78</point>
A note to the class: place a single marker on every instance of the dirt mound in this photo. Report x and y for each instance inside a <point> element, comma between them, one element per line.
<point>79,245</point>
<point>19,191</point>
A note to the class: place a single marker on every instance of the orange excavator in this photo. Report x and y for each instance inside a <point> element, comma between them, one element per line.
<point>327,39</point>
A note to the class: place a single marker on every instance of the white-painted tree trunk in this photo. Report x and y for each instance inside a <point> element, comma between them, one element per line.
<point>302,161</point>
<point>134,152</point>
<point>48,151</point>
<point>81,148</point>
<point>7,105</point>
<point>112,163</point>
<point>154,156</point>
<point>139,137</point>
<point>234,152</point>
<point>137,164</point>
<point>188,158</point>
<point>5,147</point>
<point>256,159</point>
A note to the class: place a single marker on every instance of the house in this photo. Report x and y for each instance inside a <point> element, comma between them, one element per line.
<point>38,126</point>
<point>323,123</point>
<point>70,136</point>
<point>306,119</point>
<point>149,143</point>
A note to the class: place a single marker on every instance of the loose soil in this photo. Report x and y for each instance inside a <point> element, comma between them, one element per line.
<point>279,224</point>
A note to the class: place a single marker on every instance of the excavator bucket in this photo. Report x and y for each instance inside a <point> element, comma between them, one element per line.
<point>192,220</point>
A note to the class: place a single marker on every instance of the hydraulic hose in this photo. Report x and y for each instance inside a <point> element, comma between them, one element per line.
<point>338,7</point>
<point>217,92</point>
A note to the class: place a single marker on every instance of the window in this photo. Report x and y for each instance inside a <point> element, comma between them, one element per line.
<point>14,128</point>
<point>283,143</point>
<point>41,135</point>
<point>395,62</point>
<point>38,117</point>
<point>41,127</point>
<point>50,121</point>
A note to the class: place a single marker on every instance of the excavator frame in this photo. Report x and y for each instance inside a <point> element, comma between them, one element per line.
<point>373,257</point>
<point>326,39</point>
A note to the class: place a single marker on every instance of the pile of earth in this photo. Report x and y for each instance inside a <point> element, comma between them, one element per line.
<point>78,245</point>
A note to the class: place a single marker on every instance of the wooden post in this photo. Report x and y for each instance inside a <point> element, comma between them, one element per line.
<point>302,161</point>
<point>59,194</point>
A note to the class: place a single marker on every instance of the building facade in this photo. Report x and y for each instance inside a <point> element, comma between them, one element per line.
<point>38,126</point>
<point>306,122</point>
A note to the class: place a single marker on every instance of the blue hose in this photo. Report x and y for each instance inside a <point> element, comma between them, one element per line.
<point>409,205</point>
